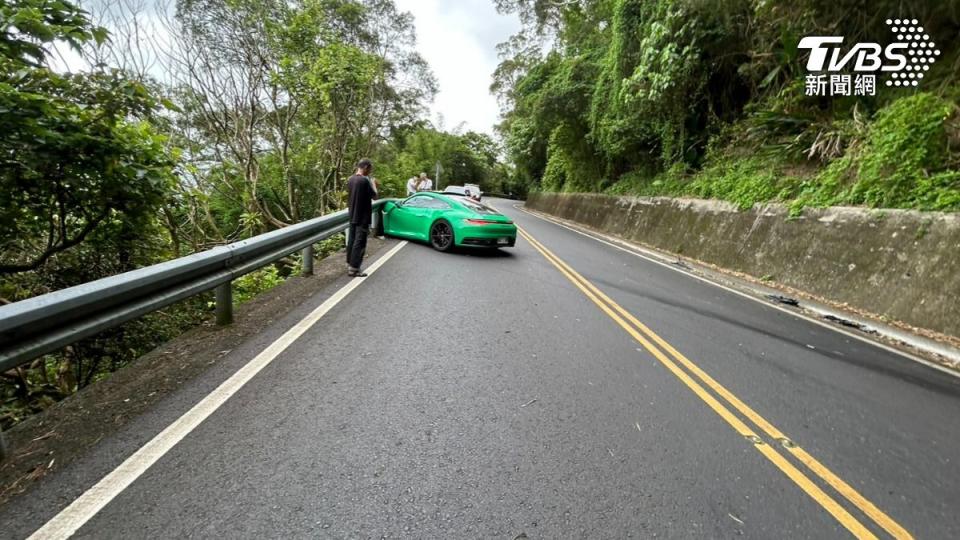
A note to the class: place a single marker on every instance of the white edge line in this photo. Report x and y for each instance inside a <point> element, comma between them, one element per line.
<point>868,341</point>
<point>84,507</point>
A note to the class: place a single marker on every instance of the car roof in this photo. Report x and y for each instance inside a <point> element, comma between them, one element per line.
<point>449,197</point>
<point>434,194</point>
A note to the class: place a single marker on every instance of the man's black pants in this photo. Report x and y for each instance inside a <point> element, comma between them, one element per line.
<point>357,244</point>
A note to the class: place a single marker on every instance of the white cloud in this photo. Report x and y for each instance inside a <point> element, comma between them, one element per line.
<point>458,39</point>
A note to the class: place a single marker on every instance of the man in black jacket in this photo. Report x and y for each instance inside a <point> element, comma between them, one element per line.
<point>362,191</point>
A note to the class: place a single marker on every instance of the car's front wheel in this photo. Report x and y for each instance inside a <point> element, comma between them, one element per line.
<point>441,235</point>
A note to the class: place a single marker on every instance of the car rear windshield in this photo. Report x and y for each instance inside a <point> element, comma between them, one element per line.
<point>477,207</point>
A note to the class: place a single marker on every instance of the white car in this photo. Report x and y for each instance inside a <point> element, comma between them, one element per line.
<point>469,190</point>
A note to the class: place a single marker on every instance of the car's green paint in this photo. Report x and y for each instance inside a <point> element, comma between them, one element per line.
<point>415,217</point>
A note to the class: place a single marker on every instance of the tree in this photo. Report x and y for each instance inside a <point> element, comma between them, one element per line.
<point>78,151</point>
<point>644,94</point>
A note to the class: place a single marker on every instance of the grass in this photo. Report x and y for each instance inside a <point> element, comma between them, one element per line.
<point>907,157</point>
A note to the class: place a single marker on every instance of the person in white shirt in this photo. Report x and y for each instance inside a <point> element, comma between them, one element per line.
<point>425,183</point>
<point>412,185</point>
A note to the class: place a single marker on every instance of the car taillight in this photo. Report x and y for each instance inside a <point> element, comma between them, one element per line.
<point>486,222</point>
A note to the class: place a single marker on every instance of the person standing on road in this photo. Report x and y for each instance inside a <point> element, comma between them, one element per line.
<point>420,182</point>
<point>361,193</point>
<point>412,185</point>
<point>425,183</point>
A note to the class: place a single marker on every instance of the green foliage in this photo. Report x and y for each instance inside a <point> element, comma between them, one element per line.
<point>50,378</point>
<point>331,245</point>
<point>706,99</point>
<point>569,165</point>
<point>904,162</point>
<point>906,143</point>
<point>250,285</point>
<point>744,181</point>
<point>648,83</point>
<point>29,26</point>
<point>672,182</point>
<point>555,175</point>
<point>467,158</point>
<point>74,155</point>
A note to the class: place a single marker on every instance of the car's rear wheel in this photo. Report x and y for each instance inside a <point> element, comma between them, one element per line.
<point>441,235</point>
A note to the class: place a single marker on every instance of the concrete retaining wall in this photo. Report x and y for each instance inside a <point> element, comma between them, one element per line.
<point>901,264</point>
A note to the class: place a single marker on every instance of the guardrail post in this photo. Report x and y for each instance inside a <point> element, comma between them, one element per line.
<point>307,264</point>
<point>377,225</point>
<point>224,296</point>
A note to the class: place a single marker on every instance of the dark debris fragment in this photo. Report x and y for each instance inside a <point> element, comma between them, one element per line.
<point>849,324</point>
<point>786,300</point>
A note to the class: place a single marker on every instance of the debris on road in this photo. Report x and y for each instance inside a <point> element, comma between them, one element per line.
<point>42,437</point>
<point>531,402</point>
<point>849,324</point>
<point>786,300</point>
<point>735,518</point>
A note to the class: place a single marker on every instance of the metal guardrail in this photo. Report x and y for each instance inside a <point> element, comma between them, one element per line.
<point>43,324</point>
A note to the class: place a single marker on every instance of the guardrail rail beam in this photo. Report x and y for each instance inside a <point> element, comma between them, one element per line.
<point>43,324</point>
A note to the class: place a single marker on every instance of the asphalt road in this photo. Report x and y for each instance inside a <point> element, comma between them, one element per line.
<point>476,394</point>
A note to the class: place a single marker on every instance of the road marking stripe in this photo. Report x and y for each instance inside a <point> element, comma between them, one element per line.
<point>807,485</point>
<point>847,491</point>
<point>611,241</point>
<point>71,518</point>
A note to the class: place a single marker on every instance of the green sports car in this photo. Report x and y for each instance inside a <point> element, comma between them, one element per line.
<point>446,220</point>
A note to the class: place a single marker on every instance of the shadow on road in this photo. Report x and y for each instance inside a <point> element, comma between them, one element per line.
<point>483,253</point>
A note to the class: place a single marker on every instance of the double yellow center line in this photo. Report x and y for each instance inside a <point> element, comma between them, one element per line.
<point>696,380</point>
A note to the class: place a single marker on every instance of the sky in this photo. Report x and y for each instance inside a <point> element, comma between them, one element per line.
<point>458,38</point>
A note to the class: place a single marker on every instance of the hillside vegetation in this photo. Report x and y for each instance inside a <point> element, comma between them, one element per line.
<point>707,99</point>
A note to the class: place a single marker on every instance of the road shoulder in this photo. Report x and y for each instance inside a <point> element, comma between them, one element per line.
<point>76,427</point>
